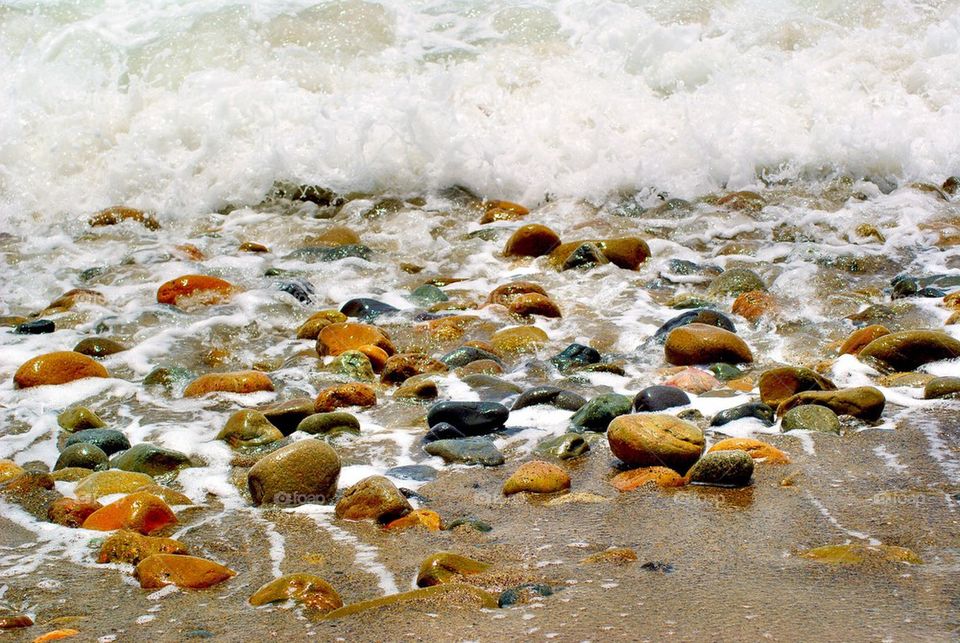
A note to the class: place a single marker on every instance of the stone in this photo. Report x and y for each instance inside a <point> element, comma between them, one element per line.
<point>576,356</point>
<point>416,472</point>
<point>35,327</point>
<point>471,418</point>
<point>856,553</point>
<point>532,240</point>
<point>862,402</point>
<point>692,380</point>
<point>237,382</point>
<point>625,252</point>
<point>366,309</point>
<point>286,416</point>
<point>445,567</point>
<point>187,572</point>
<point>418,387</point>
<point>142,512</point>
<point>68,512</point>
<point>475,450</point>
<point>166,494</point>
<point>344,396</point>
<point>303,472</point>
<point>15,622</point>
<point>443,431</point>
<point>743,200</point>
<point>942,387</point>
<point>523,594</point>
<point>428,294</point>
<point>754,448</point>
<point>70,474</point>
<point>354,365</point>
<point>551,396</point>
<point>502,211</point>
<point>491,388</point>
<point>402,366</point>
<point>662,477</point>
<point>308,590</point>
<point>330,424</point>
<point>253,246</point>
<point>755,410</point>
<point>335,236</point>
<point>471,523</point>
<point>519,339</point>
<point>78,418</point>
<point>564,447</point>
<point>732,468</point>
<point>374,498</point>
<point>537,477</point>
<point>300,289</point>
<point>583,255</point>
<point>98,347</point>
<point>168,378</point>
<point>429,600</point>
<point>109,440</point>
<point>154,461</point>
<point>9,470</point>
<point>778,384</point>
<point>698,316</point>
<point>337,338</point>
<point>858,339</point>
<point>118,214</point>
<point>810,417</point>
<point>311,328</point>
<point>248,428</point>
<point>429,520</point>
<point>753,305</point>
<point>61,367</point>
<point>194,290</point>
<point>506,293</point>
<point>735,281</point>
<point>466,355</point>
<point>652,439</point>
<point>596,414</point>
<point>703,344</point>
<point>105,483</point>
<point>659,398</point>
<point>83,455</point>
<point>616,556</point>
<point>725,372</point>
<point>328,254</point>
<point>534,304</point>
<point>130,547</point>
<point>908,350</point>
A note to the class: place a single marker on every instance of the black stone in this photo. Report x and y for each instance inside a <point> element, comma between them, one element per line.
<point>514,595</point>
<point>698,316</point>
<point>575,355</point>
<point>657,566</point>
<point>35,327</point>
<point>757,410</point>
<point>470,418</point>
<point>658,398</point>
<point>367,309</point>
<point>465,354</point>
<point>110,440</point>
<point>586,255</point>
<point>550,395</point>
<point>443,431</point>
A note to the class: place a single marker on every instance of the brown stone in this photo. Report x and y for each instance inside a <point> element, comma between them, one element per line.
<point>626,252</point>
<point>532,240</point>
<point>340,337</point>
<point>310,591</point>
<point>303,472</point>
<point>753,305</point>
<point>520,339</point>
<point>335,236</point>
<point>777,384</point>
<point>377,356</point>
<point>125,546</point>
<point>343,396</point>
<point>663,477</point>
<point>445,567</point>
<point>418,387</point>
<point>403,366</point>
<point>373,498</point>
<point>141,512</point>
<point>537,477</point>
<point>311,328</point>
<point>755,448</point>
<point>9,470</point>
<point>506,293</point>
<point>195,290</point>
<point>429,520</point>
<point>655,439</point>
<point>704,344</point>
<point>236,382</point>
<point>71,513</point>
<point>60,367</point>
<point>69,300</point>
<point>118,214</point>
<point>863,402</point>
<point>189,251</point>
<point>189,572</point>
<point>105,483</point>
<point>534,304</point>
<point>908,350</point>
<point>859,338</point>
<point>253,246</point>
<point>693,380</point>
<point>503,211</point>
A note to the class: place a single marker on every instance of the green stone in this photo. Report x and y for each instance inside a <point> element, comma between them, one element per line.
<point>596,414</point>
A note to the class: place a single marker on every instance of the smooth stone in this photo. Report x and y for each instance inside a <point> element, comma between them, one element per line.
<point>723,468</point>
<point>551,396</point>
<point>70,474</point>
<point>471,418</point>
<point>9,470</point>
<point>330,424</point>
<point>861,337</point>
<point>83,455</point>
<point>249,428</point>
<point>117,214</point>
<point>703,344</point>
<point>908,350</point>
<point>374,498</point>
<point>564,447</point>
<point>778,384</point>
<point>585,255</point>
<point>725,372</point>
<point>534,304</point>
<point>532,240</point>
<point>434,599</point>
<point>754,448</point>
<point>129,547</point>
<point>105,483</point>
<point>445,567</point>
<point>68,512</point>
<point>286,416</point>
<point>340,337</point>
<point>662,477</point>
<point>755,410</point>
<point>110,440</point>
<point>520,339</point>
<point>418,387</point>
<point>466,354</point>
<point>537,477</point>
<point>189,572</point>
<point>735,281</point>
<point>575,356</point>
<point>98,347</point>
<point>343,396</point>
<point>659,398</point>
<point>652,439</point>
<point>311,591</point>
<point>300,289</point>
<point>168,378</point>
<point>862,402</point>
<point>428,294</point>
<point>597,414</point>
<point>402,366</point>
<point>61,367</point>
<point>416,472</point>
<point>330,254</point>
<point>355,365</point>
<point>140,511</point>
<point>318,321</point>
<point>753,305</point>
<point>942,387</point>
<point>366,309</point>
<point>811,417</point>
<point>698,316</point>
<point>475,450</point>
<point>35,327</point>
<point>443,431</point>
<point>236,382</point>
<point>199,289</point>
<point>473,523</point>
<point>303,472</point>
<point>489,387</point>
<point>154,461</point>
<point>78,418</point>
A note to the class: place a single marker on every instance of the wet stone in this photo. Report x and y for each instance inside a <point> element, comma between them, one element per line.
<point>756,410</point>
<point>725,372</point>
<point>287,415</point>
<point>596,414</point>
<point>810,417</point>
<point>416,472</point>
<point>735,281</point>
<point>84,455</point>
<point>475,450</point>
<point>467,354</point>
<point>551,396</point>
<point>576,356</point>
<point>723,468</point>
<point>79,418</point>
<point>354,365</point>
<point>443,431</point>
<point>154,461</point>
<point>374,498</point>
<point>109,440</point>
<point>523,594</point>
<point>564,447</point>
<point>428,294</point>
<point>490,388</point>
<point>366,309</point>
<point>303,472</point>
<point>330,424</point>
<point>470,418</point>
<point>698,316</point>
<point>35,327</point>
<point>942,387</point>
<point>326,254</point>
<point>300,289</point>
<point>98,347</point>
<point>659,398</point>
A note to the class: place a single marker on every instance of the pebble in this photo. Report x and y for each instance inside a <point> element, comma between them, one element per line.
<point>575,356</point>
<point>344,396</point>
<point>287,415</point>
<point>236,382</point>
<point>98,347</point>
<point>303,472</point>
<point>704,344</point>
<point>416,472</point>
<point>470,418</point>
<point>520,339</point>
<point>551,396</point>
<point>429,520</point>
<point>522,594</point>
<point>366,309</point>
<point>862,402</point>
<point>310,591</point>
<point>109,440</point>
<point>693,380</point>
<point>118,214</point>
<point>249,428</point>
<point>659,398</point>
<point>908,350</point>
<point>78,418</point>
<point>9,470</point>
<point>532,240</point>
<point>755,448</point>
<point>942,387</point>
<point>445,567</point>
<point>194,290</point>
<point>537,477</point>
<point>328,254</point>
<point>475,450</point>
<point>723,468</point>
<point>735,281</point>
<point>188,572</point>
<point>374,498</point>
<point>337,338</point>
<point>142,512</point>
<point>403,366</point>
<point>418,387</point>
<point>84,455</point>
<point>299,289</point>
<point>662,477</point>
<point>130,547</point>
<point>597,414</point>
<point>330,424</point>
<point>443,431</point>
<point>69,512</point>
<point>564,447</point>
<point>311,328</point>
<point>858,339</point>
<point>754,305</point>
<point>811,417</point>
<point>60,367</point>
<point>698,316</point>
<point>35,327</point>
<point>653,439</point>
<point>534,304</point>
<point>154,461</point>
<point>756,410</point>
<point>105,483</point>
<point>778,384</point>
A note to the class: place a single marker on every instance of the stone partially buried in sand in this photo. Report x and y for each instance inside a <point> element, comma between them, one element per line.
<point>310,591</point>
<point>402,366</point>
<point>303,472</point>
<point>61,367</point>
<point>188,572</point>
<point>344,396</point>
<point>236,382</point>
<point>654,439</point>
<point>723,468</point>
<point>129,547</point>
<point>754,448</point>
<point>249,428</point>
<point>702,344</point>
<point>664,477</point>
<point>142,512</point>
<point>778,384</point>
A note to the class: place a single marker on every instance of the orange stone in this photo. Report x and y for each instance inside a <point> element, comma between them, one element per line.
<point>753,305</point>
<point>537,477</point>
<point>318,321</point>
<point>236,382</point>
<point>335,236</point>
<point>402,366</point>
<point>118,214</point>
<point>506,293</point>
<point>624,252</point>
<point>448,329</point>
<point>534,304</point>
<point>188,572</point>
<point>60,367</point>
<point>129,547</point>
<point>532,240</point>
<point>377,356</point>
<point>860,338</point>
<point>503,211</point>
<point>755,448</point>
<point>141,512</point>
<point>952,300</point>
<point>636,478</point>
<point>199,289</point>
<point>418,518</point>
<point>71,513</point>
<point>346,336</point>
<point>9,470</point>
<point>56,635</point>
<point>344,395</point>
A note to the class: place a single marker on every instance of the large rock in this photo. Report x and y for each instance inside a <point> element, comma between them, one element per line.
<point>470,418</point>
<point>373,498</point>
<point>777,384</point>
<point>303,472</point>
<point>60,367</point>
<point>863,402</point>
<point>703,344</point>
<point>652,439</point>
<point>908,350</point>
